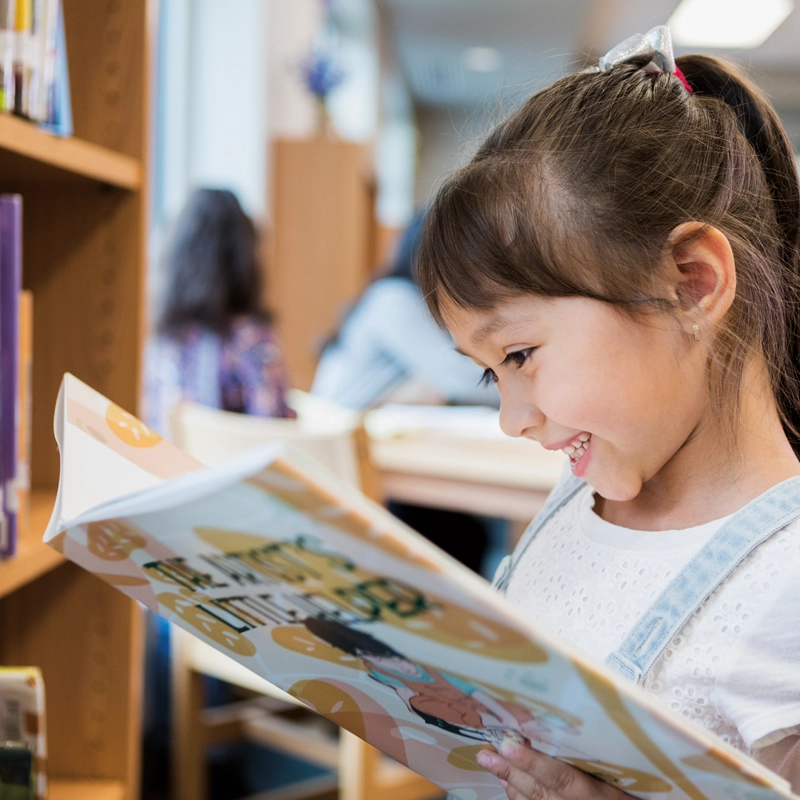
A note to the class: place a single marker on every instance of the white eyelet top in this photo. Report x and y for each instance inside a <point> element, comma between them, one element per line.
<point>735,666</point>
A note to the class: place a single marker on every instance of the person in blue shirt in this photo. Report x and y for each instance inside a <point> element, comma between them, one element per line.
<point>389,346</point>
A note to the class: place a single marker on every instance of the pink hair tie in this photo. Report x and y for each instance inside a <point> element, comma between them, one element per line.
<point>682,78</point>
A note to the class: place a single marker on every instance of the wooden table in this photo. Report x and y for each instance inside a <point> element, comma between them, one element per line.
<point>491,475</point>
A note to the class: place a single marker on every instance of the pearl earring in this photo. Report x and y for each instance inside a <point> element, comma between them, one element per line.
<point>696,331</point>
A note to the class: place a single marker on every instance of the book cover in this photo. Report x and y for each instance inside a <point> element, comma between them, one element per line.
<point>10,287</point>
<point>8,15</point>
<point>298,577</point>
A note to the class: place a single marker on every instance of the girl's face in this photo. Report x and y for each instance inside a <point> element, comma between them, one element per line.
<point>624,398</point>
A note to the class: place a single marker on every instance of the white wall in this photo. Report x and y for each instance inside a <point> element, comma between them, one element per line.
<point>212,126</point>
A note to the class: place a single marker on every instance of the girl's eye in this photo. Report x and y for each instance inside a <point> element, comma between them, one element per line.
<point>519,357</point>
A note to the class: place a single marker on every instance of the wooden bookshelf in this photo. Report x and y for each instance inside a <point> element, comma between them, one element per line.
<point>33,153</point>
<point>86,790</point>
<point>84,231</point>
<point>33,557</point>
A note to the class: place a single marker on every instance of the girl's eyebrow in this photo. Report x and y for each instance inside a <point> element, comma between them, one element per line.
<point>487,329</point>
<point>499,321</point>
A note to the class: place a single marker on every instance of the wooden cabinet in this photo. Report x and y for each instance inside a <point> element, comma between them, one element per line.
<point>84,223</point>
<point>322,243</point>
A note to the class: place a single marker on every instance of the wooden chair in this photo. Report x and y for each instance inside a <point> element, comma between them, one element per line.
<point>272,717</point>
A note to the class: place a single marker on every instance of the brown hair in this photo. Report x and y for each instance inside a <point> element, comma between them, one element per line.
<point>576,193</point>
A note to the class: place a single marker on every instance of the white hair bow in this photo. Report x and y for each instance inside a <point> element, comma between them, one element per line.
<point>651,51</point>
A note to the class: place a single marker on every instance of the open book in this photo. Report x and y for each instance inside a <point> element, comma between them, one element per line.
<point>301,579</point>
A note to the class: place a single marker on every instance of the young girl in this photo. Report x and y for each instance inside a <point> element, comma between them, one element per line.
<point>621,257</point>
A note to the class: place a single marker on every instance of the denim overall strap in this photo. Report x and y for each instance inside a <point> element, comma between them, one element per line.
<point>561,495</point>
<point>715,561</point>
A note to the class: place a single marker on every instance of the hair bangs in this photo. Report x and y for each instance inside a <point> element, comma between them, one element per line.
<point>493,234</point>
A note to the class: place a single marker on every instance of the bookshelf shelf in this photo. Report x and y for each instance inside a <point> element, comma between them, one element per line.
<point>33,558</point>
<point>27,151</point>
<point>85,790</point>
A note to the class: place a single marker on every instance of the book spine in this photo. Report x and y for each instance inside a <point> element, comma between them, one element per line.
<point>42,29</point>
<point>59,105</point>
<point>7,47</point>
<point>10,288</point>
<point>49,56</point>
<point>23,51</point>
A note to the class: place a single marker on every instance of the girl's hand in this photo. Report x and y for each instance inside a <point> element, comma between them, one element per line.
<point>527,774</point>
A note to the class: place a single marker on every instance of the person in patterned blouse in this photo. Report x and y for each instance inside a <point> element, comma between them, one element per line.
<point>214,343</point>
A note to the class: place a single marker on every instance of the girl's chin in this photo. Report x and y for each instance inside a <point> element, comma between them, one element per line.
<point>616,491</point>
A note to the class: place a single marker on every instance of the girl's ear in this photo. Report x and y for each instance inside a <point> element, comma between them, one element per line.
<point>702,271</point>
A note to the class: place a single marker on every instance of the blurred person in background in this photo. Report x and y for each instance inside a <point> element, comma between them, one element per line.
<point>213,343</point>
<point>388,348</point>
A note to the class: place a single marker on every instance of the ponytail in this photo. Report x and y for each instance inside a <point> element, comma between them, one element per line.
<point>764,132</point>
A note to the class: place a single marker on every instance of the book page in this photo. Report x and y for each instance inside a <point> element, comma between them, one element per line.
<point>125,455</point>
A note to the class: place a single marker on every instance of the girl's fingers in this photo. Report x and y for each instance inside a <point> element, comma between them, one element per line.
<point>519,784</point>
<point>534,776</point>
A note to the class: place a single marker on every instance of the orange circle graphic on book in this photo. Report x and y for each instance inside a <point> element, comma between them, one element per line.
<point>113,540</point>
<point>129,429</point>
<point>300,640</point>
<point>333,702</point>
<point>464,757</point>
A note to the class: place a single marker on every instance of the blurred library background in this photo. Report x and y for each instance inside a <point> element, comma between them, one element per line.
<point>253,174</point>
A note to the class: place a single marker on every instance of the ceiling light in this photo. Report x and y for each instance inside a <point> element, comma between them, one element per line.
<point>482,59</point>
<point>727,23</point>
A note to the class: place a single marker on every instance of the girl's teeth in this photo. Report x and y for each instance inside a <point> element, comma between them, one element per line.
<point>578,446</point>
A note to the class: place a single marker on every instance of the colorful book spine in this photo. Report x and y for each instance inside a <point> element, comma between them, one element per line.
<point>10,288</point>
<point>45,25</point>
<point>8,15</point>
<point>59,103</point>
<point>23,54</point>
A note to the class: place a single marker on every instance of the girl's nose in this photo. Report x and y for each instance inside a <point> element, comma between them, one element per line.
<point>518,415</point>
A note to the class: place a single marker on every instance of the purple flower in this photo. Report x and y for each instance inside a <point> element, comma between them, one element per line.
<point>321,73</point>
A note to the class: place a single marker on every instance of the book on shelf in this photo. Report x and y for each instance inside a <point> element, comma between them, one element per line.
<point>59,102</point>
<point>8,16</point>
<point>22,725</point>
<point>33,60</point>
<point>10,289</point>
<point>23,56</point>
<point>45,30</point>
<point>297,576</point>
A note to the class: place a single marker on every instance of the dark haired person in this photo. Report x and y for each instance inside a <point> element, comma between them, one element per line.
<point>214,344</point>
<point>388,347</point>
